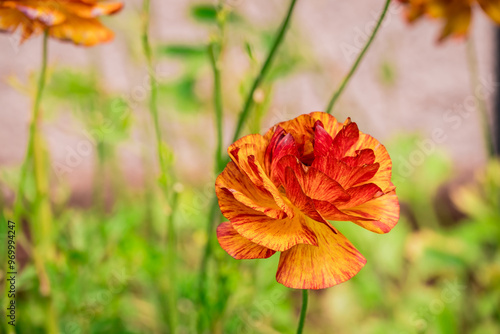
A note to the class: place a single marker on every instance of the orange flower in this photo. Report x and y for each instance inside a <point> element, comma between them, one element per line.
<point>456,13</point>
<point>280,189</point>
<point>69,20</point>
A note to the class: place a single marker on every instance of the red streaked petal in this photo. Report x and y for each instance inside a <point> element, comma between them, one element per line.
<point>330,211</point>
<point>329,123</point>
<point>363,174</point>
<point>344,140</point>
<point>383,176</point>
<point>285,147</point>
<point>288,161</point>
<point>276,234</point>
<point>268,157</point>
<point>250,165</point>
<point>379,215</point>
<point>363,157</point>
<point>347,176</point>
<point>317,185</point>
<point>296,195</point>
<point>245,160</point>
<point>302,130</point>
<point>246,192</point>
<point>270,187</point>
<point>333,261</point>
<point>322,140</point>
<point>239,247</point>
<point>299,126</point>
<point>314,183</point>
<point>255,145</point>
<point>359,195</point>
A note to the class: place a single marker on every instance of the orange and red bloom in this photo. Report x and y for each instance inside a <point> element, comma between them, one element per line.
<point>281,189</point>
<point>457,14</point>
<point>69,20</point>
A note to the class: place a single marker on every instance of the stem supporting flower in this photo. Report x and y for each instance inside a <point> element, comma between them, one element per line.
<point>303,311</point>
<point>344,82</point>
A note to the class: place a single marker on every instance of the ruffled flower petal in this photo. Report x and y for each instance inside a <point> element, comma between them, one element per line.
<point>276,234</point>
<point>85,32</point>
<point>237,246</point>
<point>247,193</point>
<point>333,261</point>
<point>378,215</point>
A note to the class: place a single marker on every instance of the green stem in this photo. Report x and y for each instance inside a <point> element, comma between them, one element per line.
<point>303,311</point>
<point>42,212</point>
<point>171,252</point>
<point>343,84</point>
<point>480,101</point>
<point>32,129</point>
<point>153,103</point>
<point>202,277</point>
<point>214,58</point>
<point>171,311</point>
<point>263,71</point>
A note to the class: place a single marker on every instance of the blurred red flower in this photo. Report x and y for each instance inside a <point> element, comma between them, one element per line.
<point>280,189</point>
<point>70,20</point>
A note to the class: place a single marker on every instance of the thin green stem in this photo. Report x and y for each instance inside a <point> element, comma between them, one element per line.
<point>153,98</point>
<point>343,84</point>
<point>171,309</point>
<point>171,252</point>
<point>480,100</point>
<point>213,216</point>
<point>249,102</point>
<point>32,129</point>
<point>303,311</point>
<point>214,51</point>
<point>41,82</point>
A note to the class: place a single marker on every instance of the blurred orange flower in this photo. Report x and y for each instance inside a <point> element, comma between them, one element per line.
<point>456,13</point>
<point>70,20</point>
<point>280,189</point>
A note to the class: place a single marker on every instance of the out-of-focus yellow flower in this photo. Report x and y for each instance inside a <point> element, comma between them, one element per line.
<point>69,20</point>
<point>280,189</point>
<point>456,13</point>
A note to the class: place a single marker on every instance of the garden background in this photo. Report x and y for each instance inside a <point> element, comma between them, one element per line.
<point>437,271</point>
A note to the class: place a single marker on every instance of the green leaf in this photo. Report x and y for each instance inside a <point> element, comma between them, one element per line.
<point>204,13</point>
<point>183,51</point>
